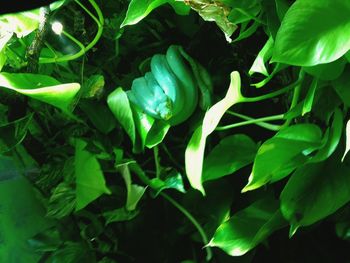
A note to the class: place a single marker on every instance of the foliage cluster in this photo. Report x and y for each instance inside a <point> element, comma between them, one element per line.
<point>87,175</point>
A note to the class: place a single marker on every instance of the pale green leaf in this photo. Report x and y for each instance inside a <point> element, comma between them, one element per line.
<point>118,103</point>
<point>347,144</point>
<point>41,87</point>
<point>194,153</point>
<point>90,182</point>
<point>248,227</point>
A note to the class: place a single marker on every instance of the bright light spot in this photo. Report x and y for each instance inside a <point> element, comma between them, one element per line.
<point>57,27</point>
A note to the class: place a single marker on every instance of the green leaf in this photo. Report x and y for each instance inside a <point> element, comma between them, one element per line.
<point>279,156</point>
<point>173,180</point>
<point>231,154</point>
<point>248,227</point>
<point>315,191</point>
<point>309,99</point>
<point>41,87</point>
<point>139,9</point>
<point>347,144</point>
<point>120,215</point>
<point>22,23</point>
<point>194,153</point>
<point>99,115</point>
<point>334,134</point>
<point>90,182</point>
<point>119,104</point>
<point>313,32</point>
<point>62,201</point>
<point>22,216</point>
<point>157,133</point>
<point>211,11</point>
<point>180,7</point>
<point>134,191</point>
<point>264,55</point>
<point>341,86</point>
<point>13,133</point>
<point>329,71</point>
<point>72,252</point>
<point>93,87</point>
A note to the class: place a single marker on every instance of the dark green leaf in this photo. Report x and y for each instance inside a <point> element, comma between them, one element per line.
<point>315,191</point>
<point>99,115</point>
<point>12,134</point>
<point>62,201</point>
<point>120,215</point>
<point>72,252</point>
<point>231,154</point>
<point>22,216</point>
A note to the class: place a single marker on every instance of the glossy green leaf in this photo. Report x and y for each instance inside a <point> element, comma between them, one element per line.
<point>90,182</point>
<point>157,133</point>
<point>248,227</point>
<point>315,191</point>
<point>328,71</point>
<point>263,56</point>
<point>279,156</point>
<point>194,153</point>
<point>341,86</point>
<point>22,216</point>
<point>347,144</point>
<point>13,133</point>
<point>139,9</point>
<point>334,133</point>
<point>173,180</point>
<point>313,32</point>
<point>231,154</point>
<point>180,7</point>
<point>310,95</point>
<point>41,87</point>
<point>134,191</point>
<point>119,104</point>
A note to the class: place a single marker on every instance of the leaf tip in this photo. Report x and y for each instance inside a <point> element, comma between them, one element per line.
<point>293,229</point>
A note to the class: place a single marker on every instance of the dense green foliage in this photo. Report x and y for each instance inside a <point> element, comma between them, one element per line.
<point>175,131</point>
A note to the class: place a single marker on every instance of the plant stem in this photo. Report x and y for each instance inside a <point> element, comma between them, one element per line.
<point>258,121</point>
<point>83,50</point>
<point>144,178</point>
<point>272,94</point>
<point>295,98</point>
<point>156,161</point>
<point>193,221</point>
